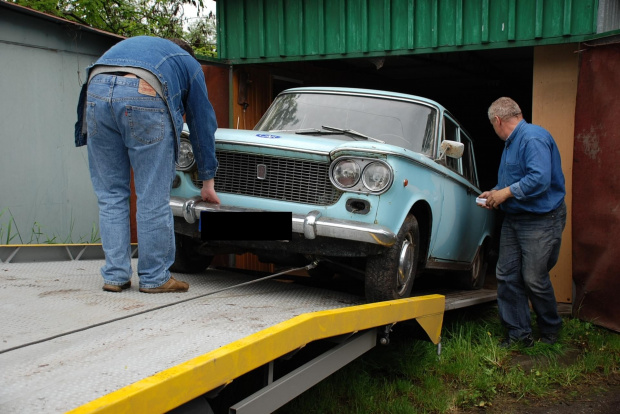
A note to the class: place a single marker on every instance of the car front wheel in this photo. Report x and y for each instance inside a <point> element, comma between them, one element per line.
<point>391,275</point>
<point>186,258</point>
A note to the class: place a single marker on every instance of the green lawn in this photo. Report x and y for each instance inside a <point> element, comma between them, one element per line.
<point>408,376</point>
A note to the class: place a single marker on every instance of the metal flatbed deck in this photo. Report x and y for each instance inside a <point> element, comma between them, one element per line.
<point>66,344</point>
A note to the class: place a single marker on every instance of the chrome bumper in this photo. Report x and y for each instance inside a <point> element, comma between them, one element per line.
<point>310,225</point>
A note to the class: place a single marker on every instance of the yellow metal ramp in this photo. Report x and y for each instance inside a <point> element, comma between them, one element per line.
<point>66,345</point>
<point>186,381</point>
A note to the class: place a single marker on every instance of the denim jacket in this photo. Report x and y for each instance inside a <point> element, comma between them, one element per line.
<point>184,92</point>
<point>532,167</point>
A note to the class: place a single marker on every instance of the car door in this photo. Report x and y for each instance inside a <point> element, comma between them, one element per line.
<point>476,217</point>
<point>456,234</point>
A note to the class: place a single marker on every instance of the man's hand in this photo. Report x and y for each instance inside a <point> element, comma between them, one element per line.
<point>208,192</point>
<point>496,197</point>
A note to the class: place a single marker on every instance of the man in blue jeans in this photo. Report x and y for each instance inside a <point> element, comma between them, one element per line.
<point>131,111</point>
<point>530,191</point>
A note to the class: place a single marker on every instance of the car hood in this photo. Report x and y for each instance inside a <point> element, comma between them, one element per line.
<point>310,143</point>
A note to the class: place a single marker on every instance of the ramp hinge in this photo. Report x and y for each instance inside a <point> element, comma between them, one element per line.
<point>384,337</point>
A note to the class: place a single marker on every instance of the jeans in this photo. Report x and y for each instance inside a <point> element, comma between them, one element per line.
<point>129,128</point>
<point>529,248</point>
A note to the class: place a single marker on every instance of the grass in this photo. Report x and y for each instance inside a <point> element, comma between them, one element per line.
<point>10,234</point>
<point>7,234</point>
<point>472,371</point>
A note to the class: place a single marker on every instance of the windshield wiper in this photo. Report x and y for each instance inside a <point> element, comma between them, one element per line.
<point>351,132</point>
<point>328,130</point>
<point>314,131</point>
<point>308,131</point>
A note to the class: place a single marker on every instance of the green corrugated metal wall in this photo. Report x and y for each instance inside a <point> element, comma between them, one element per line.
<point>277,30</point>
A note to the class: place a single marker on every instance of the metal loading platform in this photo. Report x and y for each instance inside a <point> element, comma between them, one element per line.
<point>66,345</point>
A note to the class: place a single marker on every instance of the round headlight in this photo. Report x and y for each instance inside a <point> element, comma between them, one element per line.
<point>346,173</point>
<point>376,176</point>
<point>186,159</point>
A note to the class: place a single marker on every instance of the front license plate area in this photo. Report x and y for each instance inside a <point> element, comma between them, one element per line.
<point>262,225</point>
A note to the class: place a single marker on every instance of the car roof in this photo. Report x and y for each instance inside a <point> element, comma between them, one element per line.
<point>373,92</point>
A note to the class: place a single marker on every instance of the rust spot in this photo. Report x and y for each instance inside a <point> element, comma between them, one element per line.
<point>590,143</point>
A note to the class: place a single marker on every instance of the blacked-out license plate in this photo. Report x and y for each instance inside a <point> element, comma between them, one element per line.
<point>261,225</point>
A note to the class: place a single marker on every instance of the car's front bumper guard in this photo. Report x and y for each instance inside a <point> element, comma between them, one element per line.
<point>310,225</point>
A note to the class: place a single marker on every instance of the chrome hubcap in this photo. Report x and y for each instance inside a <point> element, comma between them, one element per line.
<point>476,267</point>
<point>405,265</point>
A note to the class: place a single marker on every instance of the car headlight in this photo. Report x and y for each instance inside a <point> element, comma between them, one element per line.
<point>361,175</point>
<point>376,176</point>
<point>186,159</point>
<point>346,173</point>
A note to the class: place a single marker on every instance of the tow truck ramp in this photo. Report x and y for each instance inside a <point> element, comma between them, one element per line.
<point>68,346</point>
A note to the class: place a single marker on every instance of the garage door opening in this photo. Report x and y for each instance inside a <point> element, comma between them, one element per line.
<point>464,82</point>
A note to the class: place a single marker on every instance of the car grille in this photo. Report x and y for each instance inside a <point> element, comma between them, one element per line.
<point>287,179</point>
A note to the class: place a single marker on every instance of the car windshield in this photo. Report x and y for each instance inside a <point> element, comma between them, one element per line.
<point>353,117</point>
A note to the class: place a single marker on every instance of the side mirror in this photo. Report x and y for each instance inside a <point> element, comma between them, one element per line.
<point>451,149</point>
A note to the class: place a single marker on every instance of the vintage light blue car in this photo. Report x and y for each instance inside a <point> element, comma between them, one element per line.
<point>381,185</point>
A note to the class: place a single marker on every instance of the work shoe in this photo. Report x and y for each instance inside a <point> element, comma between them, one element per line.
<point>549,338</point>
<point>526,342</point>
<point>171,285</point>
<point>116,288</point>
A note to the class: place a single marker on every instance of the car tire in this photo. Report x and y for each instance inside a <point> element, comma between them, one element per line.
<point>473,279</point>
<point>391,275</point>
<point>186,258</point>
<point>322,272</point>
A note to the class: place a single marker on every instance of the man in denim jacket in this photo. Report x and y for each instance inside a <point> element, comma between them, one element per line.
<point>531,192</point>
<point>131,111</point>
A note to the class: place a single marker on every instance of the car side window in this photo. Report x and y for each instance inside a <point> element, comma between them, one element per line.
<point>429,133</point>
<point>451,132</point>
<point>467,161</point>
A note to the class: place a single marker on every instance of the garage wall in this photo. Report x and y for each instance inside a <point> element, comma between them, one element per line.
<point>597,185</point>
<point>251,96</point>
<point>556,69</point>
<point>266,30</point>
<point>45,189</point>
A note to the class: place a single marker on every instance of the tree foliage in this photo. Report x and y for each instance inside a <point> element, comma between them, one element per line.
<point>162,18</point>
<point>201,34</point>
